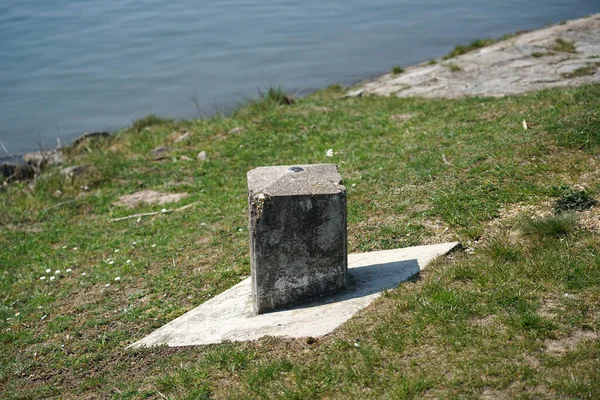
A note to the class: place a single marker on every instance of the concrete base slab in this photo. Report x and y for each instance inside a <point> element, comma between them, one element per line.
<point>229,316</point>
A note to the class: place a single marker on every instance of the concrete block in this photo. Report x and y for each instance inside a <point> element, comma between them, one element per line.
<point>298,243</point>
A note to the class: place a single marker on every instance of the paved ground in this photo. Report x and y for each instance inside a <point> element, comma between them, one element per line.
<point>530,61</point>
<point>229,316</point>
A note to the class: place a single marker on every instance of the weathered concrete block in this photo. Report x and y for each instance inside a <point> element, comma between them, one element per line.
<point>298,240</point>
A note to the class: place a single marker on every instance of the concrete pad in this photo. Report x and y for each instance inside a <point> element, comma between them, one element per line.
<point>230,317</point>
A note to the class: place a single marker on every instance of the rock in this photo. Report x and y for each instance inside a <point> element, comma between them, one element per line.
<point>202,156</point>
<point>519,64</point>
<point>88,135</point>
<point>44,158</point>
<point>159,151</point>
<point>297,234</point>
<point>75,170</point>
<point>182,137</point>
<point>185,158</point>
<point>235,130</point>
<point>355,93</point>
<point>149,197</point>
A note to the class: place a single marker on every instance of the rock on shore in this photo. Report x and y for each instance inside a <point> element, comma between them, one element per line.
<point>560,55</point>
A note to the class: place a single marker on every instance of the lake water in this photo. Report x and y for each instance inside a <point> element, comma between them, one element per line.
<point>69,66</point>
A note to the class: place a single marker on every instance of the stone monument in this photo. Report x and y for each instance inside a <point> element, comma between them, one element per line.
<point>298,243</point>
<point>299,284</point>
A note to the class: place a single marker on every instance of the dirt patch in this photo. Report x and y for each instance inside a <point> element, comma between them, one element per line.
<point>401,117</point>
<point>149,197</point>
<point>30,228</point>
<point>485,322</point>
<point>489,394</point>
<point>569,343</point>
<point>590,219</point>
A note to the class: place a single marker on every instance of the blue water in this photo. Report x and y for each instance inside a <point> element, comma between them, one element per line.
<point>69,66</point>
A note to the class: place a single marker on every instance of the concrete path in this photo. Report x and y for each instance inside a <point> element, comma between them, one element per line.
<point>229,316</point>
<point>530,61</point>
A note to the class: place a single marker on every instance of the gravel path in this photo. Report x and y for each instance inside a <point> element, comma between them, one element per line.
<point>530,61</point>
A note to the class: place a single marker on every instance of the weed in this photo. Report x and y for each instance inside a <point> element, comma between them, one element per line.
<point>499,248</point>
<point>432,62</point>
<point>396,69</point>
<point>563,46</point>
<point>277,96</point>
<point>551,226</point>
<point>573,200</point>
<point>583,71</point>
<point>147,122</point>
<point>453,67</point>
<point>463,49</point>
<point>539,55</point>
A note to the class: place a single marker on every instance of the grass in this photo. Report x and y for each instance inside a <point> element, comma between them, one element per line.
<point>564,46</point>
<point>582,71</point>
<point>513,316</point>
<point>463,49</point>
<point>551,226</point>
<point>539,55</point>
<point>397,70</point>
<point>453,67</point>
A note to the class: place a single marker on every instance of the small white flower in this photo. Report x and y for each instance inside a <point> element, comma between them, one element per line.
<point>139,219</point>
<point>57,272</point>
<point>203,224</point>
<point>42,278</point>
<point>111,262</point>
<point>107,285</point>
<point>329,153</point>
<point>240,229</point>
<point>69,270</point>
<point>64,247</point>
<point>118,278</point>
<point>52,278</point>
<point>164,210</point>
<point>116,250</point>
<point>48,270</point>
<point>128,261</point>
<point>153,245</point>
<point>83,274</point>
<point>74,248</point>
<point>17,314</point>
<point>44,317</point>
<point>134,243</point>
<point>354,184</point>
<point>8,319</point>
<point>39,307</point>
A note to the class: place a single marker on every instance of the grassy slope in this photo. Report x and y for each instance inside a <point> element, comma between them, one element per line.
<point>514,315</point>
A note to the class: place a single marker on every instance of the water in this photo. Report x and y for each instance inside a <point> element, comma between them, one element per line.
<point>70,66</point>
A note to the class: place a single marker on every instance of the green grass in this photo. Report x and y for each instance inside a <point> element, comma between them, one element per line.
<point>452,67</point>
<point>582,71</point>
<point>474,45</point>
<point>485,322</point>
<point>554,226</point>
<point>539,55</point>
<point>564,46</point>
<point>396,69</point>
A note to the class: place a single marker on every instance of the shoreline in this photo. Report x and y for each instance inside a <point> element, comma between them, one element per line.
<point>480,71</point>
